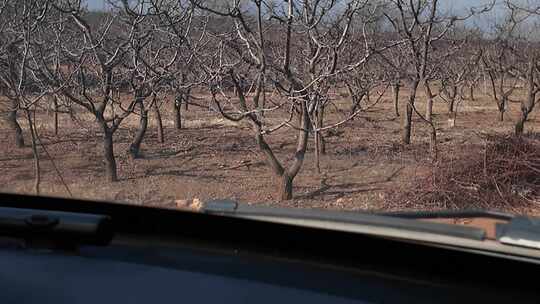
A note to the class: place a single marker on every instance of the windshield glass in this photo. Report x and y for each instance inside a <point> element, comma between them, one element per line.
<point>346,105</point>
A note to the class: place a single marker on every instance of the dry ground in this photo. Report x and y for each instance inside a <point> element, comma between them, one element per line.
<point>204,159</point>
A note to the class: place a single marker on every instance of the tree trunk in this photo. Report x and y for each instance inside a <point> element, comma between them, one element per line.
<point>501,105</point>
<point>451,106</point>
<point>368,97</point>
<point>108,150</point>
<point>288,176</point>
<point>322,144</point>
<point>14,124</point>
<point>485,83</point>
<point>134,148</point>
<point>520,124</point>
<point>317,153</point>
<point>55,116</point>
<point>286,187</point>
<point>526,108</point>
<point>320,124</point>
<point>177,113</point>
<point>527,105</point>
<point>37,168</point>
<point>356,100</point>
<point>407,121</point>
<point>429,108</point>
<point>501,111</point>
<point>471,93</point>
<point>161,136</point>
<point>185,99</point>
<point>317,136</point>
<point>395,91</point>
<point>433,142</point>
<point>429,103</point>
<point>452,120</point>
<point>407,128</point>
<point>320,148</point>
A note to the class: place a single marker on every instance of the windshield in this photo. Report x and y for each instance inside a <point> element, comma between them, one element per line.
<point>344,105</point>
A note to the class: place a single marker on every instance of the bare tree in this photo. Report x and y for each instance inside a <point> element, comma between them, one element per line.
<point>88,66</point>
<point>295,47</point>
<point>533,87</point>
<point>498,62</point>
<point>527,67</point>
<point>23,30</point>
<point>152,56</point>
<point>459,68</point>
<point>394,68</point>
<point>421,25</point>
<point>13,31</point>
<point>185,34</point>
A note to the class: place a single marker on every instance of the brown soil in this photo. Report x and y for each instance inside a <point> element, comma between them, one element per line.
<point>212,158</point>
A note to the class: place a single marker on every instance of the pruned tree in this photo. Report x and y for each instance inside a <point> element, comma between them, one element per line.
<point>14,32</point>
<point>498,62</point>
<point>527,67</point>
<point>295,47</point>
<point>532,84</point>
<point>88,69</point>
<point>422,25</point>
<point>461,67</point>
<point>23,30</point>
<point>185,33</point>
<point>151,66</point>
<point>393,66</point>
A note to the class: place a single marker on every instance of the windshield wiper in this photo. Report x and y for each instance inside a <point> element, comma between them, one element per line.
<point>520,231</point>
<point>513,241</point>
<point>512,233</point>
<point>516,230</point>
<point>339,219</point>
<point>55,229</point>
<point>449,214</point>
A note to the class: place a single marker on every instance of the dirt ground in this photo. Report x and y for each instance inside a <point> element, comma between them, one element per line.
<point>207,159</point>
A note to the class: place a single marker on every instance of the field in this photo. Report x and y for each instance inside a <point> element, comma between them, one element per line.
<point>213,158</point>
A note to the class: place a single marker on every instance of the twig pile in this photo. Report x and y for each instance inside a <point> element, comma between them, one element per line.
<point>502,174</point>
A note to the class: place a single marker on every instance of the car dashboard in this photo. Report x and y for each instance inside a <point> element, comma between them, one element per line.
<point>165,256</point>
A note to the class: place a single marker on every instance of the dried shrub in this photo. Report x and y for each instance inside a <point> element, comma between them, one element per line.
<point>502,174</point>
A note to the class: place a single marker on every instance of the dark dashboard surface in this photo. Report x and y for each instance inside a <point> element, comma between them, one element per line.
<point>124,274</point>
<point>52,278</point>
<point>164,256</point>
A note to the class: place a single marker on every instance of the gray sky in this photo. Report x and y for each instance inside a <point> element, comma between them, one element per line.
<point>95,4</point>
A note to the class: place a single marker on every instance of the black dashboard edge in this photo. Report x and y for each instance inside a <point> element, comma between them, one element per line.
<point>332,248</point>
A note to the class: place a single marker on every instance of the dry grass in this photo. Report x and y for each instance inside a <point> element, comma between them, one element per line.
<point>502,174</point>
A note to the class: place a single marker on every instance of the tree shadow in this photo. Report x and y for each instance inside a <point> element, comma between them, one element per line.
<point>354,165</point>
<point>18,157</point>
<point>165,153</point>
<point>247,166</point>
<point>189,153</point>
<point>339,190</point>
<point>47,140</point>
<point>93,169</point>
<point>23,177</point>
<point>189,172</point>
